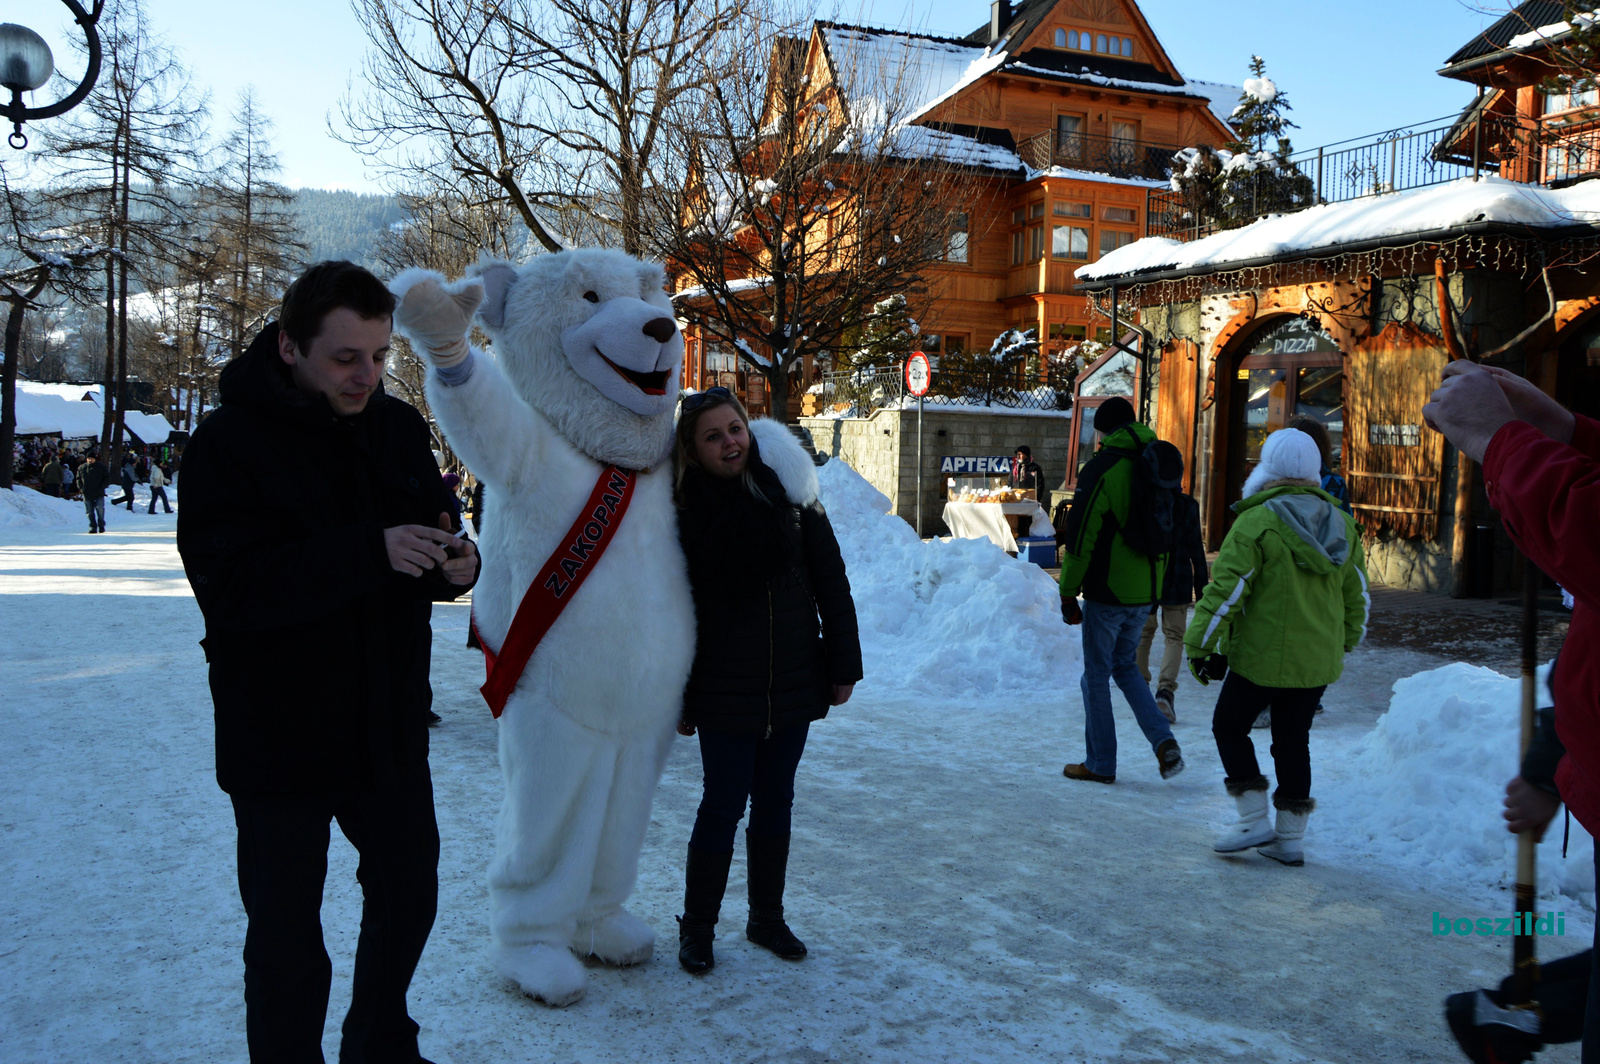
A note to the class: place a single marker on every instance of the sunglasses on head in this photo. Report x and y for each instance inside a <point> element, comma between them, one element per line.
<point>697,400</point>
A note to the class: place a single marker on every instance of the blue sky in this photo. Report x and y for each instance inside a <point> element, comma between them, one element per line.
<point>1359,67</point>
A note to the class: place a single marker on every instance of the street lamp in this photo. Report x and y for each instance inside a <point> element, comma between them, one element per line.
<point>26,64</point>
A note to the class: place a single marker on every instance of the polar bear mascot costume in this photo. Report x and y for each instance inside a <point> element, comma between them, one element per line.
<point>578,398</point>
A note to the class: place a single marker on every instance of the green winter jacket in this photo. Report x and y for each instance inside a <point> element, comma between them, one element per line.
<point>1097,561</point>
<point>1288,593</point>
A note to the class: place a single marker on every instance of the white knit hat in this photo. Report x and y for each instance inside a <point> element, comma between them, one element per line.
<point>1288,454</point>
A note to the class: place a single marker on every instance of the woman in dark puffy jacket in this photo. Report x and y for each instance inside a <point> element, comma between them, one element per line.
<point>776,647</point>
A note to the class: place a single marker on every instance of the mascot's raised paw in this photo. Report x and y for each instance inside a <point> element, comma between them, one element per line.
<point>621,939</point>
<point>436,316</point>
<point>544,971</point>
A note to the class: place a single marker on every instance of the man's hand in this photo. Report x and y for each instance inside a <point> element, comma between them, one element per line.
<point>1530,404</point>
<point>1469,407</point>
<point>1528,808</point>
<point>462,564</point>
<point>1071,612</point>
<point>841,693</point>
<point>437,319</point>
<point>414,549</point>
<point>1214,667</point>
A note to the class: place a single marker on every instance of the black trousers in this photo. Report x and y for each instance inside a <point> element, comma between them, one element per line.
<point>159,493</point>
<point>283,861</point>
<point>1240,703</point>
<point>740,766</point>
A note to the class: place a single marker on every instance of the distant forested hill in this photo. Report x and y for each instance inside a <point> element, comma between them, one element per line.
<point>343,225</point>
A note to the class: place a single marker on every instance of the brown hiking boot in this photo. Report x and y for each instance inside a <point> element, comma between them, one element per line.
<point>1081,772</point>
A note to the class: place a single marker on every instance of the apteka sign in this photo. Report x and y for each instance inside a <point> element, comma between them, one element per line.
<point>994,466</point>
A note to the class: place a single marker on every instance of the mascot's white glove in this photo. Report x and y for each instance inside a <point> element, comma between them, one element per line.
<point>437,319</point>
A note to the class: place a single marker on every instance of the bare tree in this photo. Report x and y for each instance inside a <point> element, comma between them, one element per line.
<point>251,229</point>
<point>125,159</point>
<point>810,200</point>
<point>555,107</point>
<point>32,267</point>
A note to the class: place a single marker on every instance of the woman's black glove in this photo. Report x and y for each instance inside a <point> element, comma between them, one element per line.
<point>1071,612</point>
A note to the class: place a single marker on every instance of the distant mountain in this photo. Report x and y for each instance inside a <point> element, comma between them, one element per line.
<point>344,225</point>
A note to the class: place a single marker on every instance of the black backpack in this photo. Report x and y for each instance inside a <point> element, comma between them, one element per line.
<point>1151,527</point>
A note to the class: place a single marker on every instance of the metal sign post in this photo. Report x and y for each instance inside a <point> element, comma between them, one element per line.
<point>919,373</point>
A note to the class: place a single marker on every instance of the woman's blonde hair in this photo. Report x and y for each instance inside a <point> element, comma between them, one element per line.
<point>684,452</point>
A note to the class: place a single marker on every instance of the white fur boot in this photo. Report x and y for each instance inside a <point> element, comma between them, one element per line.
<point>543,970</point>
<point>1292,816</point>
<point>619,938</point>
<point>1255,826</point>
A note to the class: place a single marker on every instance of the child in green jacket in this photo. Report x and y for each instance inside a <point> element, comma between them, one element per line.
<point>1287,600</point>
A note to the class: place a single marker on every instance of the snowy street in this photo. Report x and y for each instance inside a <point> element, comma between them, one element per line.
<point>961,900</point>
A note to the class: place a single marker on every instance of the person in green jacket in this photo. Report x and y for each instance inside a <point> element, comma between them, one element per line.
<point>1118,584</point>
<point>1287,601</point>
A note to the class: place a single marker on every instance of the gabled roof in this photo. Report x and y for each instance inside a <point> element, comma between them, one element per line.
<point>1525,17</point>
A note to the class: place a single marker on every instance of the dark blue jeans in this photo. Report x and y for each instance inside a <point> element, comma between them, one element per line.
<point>741,766</point>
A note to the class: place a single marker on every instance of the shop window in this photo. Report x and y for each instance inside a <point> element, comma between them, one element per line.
<point>1127,215</point>
<point>1112,239</point>
<point>1069,242</point>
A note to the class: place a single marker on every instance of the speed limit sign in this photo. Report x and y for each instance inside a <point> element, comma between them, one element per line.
<point>919,373</point>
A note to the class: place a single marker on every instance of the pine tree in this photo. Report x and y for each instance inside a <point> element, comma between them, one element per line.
<point>1258,179</point>
<point>888,335</point>
<point>990,376</point>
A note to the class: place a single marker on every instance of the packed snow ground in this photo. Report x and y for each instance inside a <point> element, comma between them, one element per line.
<point>961,900</point>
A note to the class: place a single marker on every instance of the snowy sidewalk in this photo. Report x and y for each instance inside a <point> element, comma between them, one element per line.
<point>963,902</point>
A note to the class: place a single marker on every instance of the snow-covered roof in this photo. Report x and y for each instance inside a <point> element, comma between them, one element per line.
<point>47,414</point>
<point>1332,225</point>
<point>1549,32</point>
<point>1092,175</point>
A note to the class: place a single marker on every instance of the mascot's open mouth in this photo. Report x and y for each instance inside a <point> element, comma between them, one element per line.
<point>653,383</point>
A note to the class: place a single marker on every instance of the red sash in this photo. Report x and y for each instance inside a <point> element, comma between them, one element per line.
<point>555,585</point>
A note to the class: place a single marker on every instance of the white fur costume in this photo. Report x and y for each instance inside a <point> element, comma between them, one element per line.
<point>584,374</point>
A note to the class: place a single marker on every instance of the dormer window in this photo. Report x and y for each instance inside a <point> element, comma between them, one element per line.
<point>1061,38</point>
<point>1107,45</point>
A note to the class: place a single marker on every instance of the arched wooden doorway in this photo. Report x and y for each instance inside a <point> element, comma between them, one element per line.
<point>1284,367</point>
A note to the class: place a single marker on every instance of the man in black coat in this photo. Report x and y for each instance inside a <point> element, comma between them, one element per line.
<point>94,478</point>
<point>315,533</point>
<point>1026,473</point>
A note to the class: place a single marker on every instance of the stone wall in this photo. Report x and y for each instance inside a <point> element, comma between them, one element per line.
<point>883,449</point>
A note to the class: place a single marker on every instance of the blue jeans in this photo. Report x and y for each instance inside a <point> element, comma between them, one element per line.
<point>97,512</point>
<point>740,766</point>
<point>1110,652</point>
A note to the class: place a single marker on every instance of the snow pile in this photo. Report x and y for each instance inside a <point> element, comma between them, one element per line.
<point>25,508</point>
<point>1463,202</point>
<point>1424,788</point>
<point>948,621</point>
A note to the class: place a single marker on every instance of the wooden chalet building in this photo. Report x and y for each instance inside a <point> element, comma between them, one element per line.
<point>1347,311</point>
<point>1074,110</point>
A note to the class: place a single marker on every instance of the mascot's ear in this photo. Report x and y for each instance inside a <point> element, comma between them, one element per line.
<point>497,278</point>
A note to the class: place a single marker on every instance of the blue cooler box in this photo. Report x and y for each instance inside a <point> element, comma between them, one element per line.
<point>1040,550</point>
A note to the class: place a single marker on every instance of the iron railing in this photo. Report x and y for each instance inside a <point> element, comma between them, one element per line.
<point>1395,161</point>
<point>859,394</point>
<point>1117,156</point>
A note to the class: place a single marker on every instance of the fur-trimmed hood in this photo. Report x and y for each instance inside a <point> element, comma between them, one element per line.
<point>781,452</point>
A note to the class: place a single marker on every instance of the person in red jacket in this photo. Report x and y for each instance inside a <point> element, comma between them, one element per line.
<point>1541,469</point>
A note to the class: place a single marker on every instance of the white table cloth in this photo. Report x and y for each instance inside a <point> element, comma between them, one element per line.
<point>987,520</point>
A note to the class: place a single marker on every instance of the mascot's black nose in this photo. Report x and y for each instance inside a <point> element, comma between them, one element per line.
<point>660,330</point>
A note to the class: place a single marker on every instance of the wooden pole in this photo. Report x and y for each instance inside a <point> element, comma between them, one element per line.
<point>1524,965</point>
<point>1466,468</point>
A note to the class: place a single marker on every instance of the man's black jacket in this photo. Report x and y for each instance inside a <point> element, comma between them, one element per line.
<point>318,649</point>
<point>1187,574</point>
<point>94,479</point>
